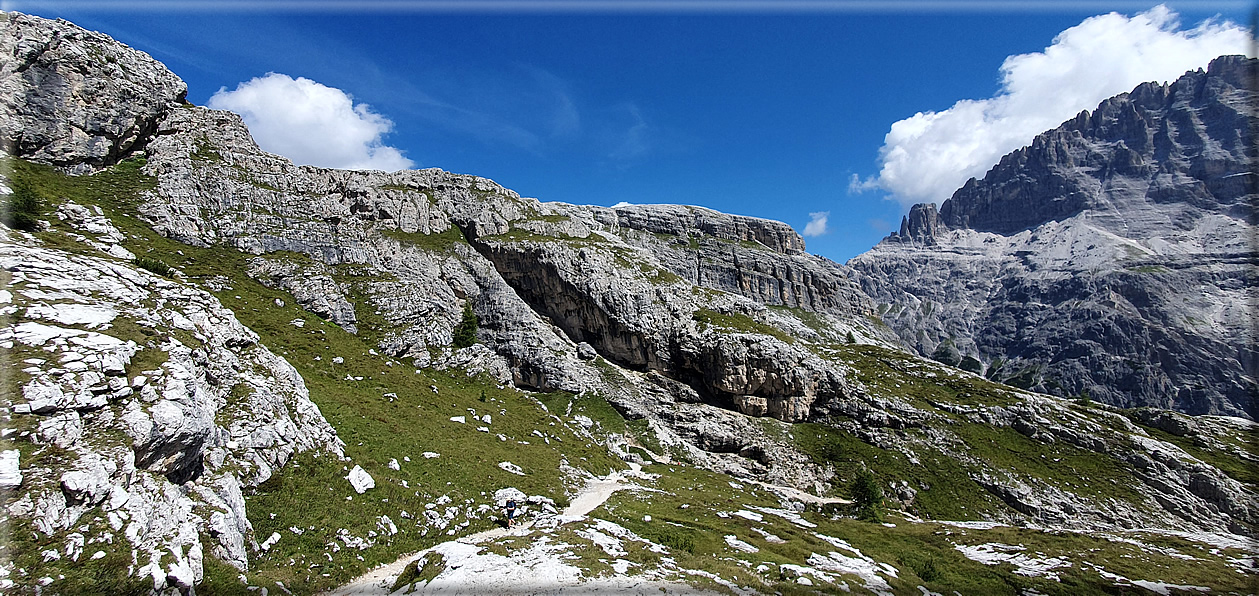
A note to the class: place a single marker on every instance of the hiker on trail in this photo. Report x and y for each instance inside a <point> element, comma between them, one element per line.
<point>511,511</point>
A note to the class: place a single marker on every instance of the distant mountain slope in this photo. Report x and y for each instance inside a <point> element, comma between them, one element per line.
<point>1112,258</point>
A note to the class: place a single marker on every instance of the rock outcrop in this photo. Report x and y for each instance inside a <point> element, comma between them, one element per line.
<point>756,258</point>
<point>1112,257</point>
<point>542,277</point>
<point>147,399</point>
<point>55,77</point>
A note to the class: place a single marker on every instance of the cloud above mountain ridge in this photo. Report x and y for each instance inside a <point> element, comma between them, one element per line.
<point>817,224</point>
<point>929,155</point>
<point>311,123</point>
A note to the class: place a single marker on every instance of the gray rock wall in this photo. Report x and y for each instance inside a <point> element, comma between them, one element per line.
<point>55,76</point>
<point>1113,257</point>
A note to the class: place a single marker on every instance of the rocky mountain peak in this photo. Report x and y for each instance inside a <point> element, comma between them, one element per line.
<point>1156,133</point>
<point>1109,256</point>
<point>55,75</point>
<point>921,226</point>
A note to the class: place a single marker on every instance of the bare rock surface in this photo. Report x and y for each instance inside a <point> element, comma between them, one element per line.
<point>55,77</point>
<point>1112,258</point>
<point>161,403</point>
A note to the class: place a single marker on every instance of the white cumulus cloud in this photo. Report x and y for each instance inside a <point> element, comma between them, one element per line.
<point>926,157</point>
<point>311,123</point>
<point>817,223</point>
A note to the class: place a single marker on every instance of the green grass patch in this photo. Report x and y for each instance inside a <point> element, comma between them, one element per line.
<point>204,151</point>
<point>87,576</point>
<point>441,241</point>
<point>421,570</point>
<point>121,184</point>
<point>641,431</point>
<point>892,373</point>
<point>592,405</point>
<point>810,319</point>
<point>740,323</point>
<point>945,490</point>
<point>1066,466</point>
<point>657,275</point>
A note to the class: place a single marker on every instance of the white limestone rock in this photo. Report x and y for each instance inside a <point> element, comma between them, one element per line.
<point>10,472</point>
<point>174,434</point>
<point>60,78</point>
<point>360,480</point>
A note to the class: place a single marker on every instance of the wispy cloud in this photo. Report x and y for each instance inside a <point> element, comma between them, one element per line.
<point>633,139</point>
<point>519,106</point>
<point>311,123</point>
<point>563,117</point>
<point>929,155</point>
<point>817,224</point>
<point>856,185</point>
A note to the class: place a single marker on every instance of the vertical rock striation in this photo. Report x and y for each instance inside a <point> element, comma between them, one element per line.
<point>1113,257</point>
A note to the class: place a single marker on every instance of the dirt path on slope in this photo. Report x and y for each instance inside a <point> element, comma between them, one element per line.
<point>595,493</point>
<point>797,494</point>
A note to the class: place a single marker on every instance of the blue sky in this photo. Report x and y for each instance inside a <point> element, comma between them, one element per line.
<point>743,107</point>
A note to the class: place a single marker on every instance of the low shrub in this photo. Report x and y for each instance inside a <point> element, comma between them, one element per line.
<point>21,209</point>
<point>153,265</point>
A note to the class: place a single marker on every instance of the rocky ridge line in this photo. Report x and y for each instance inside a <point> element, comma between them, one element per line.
<point>1110,258</point>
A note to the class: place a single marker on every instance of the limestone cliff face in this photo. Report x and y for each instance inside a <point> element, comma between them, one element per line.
<point>1112,257</point>
<point>760,259</point>
<point>561,274</point>
<point>54,77</point>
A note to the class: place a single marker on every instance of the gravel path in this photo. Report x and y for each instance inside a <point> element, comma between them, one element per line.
<point>596,492</point>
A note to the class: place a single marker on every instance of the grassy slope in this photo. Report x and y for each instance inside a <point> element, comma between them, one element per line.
<point>375,428</point>
<point>312,492</point>
<point>691,511</point>
<point>942,391</point>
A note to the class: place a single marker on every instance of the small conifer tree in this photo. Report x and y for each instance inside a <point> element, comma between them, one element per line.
<point>465,332</point>
<point>22,208</point>
<point>867,497</point>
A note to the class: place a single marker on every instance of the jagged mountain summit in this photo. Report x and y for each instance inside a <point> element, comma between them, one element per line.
<point>1113,258</point>
<point>233,373</point>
